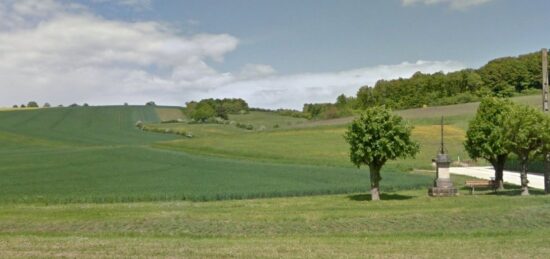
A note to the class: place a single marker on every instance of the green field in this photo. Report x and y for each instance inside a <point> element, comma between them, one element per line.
<point>96,154</point>
<point>85,182</point>
<point>407,224</point>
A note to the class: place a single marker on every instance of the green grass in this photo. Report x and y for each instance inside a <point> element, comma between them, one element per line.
<point>96,154</point>
<point>321,145</point>
<point>321,142</point>
<point>406,224</point>
<point>78,182</point>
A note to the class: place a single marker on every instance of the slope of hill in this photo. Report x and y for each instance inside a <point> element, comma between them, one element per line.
<point>96,154</point>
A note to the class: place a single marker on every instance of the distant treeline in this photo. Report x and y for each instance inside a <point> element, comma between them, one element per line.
<point>503,77</point>
<point>206,109</point>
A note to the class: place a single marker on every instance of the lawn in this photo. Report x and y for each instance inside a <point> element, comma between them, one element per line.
<point>406,224</point>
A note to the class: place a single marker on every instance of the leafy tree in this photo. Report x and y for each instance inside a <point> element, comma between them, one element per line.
<point>376,137</point>
<point>15,106</point>
<point>47,105</point>
<point>485,137</point>
<point>203,111</point>
<point>151,103</point>
<point>526,131</point>
<point>32,104</point>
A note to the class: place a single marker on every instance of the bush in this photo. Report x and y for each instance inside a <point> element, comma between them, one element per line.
<point>245,126</point>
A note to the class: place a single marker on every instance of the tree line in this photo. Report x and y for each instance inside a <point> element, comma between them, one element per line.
<point>502,77</point>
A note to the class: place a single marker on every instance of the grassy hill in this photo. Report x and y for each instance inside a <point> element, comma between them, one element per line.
<point>104,168</point>
<point>321,142</point>
<point>96,154</point>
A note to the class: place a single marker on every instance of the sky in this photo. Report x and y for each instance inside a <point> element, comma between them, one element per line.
<point>273,54</point>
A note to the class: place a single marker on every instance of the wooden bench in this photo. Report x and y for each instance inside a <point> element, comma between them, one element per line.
<point>481,184</point>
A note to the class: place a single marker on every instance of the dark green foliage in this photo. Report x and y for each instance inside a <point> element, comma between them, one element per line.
<point>245,126</point>
<point>47,105</point>
<point>376,137</point>
<point>151,103</point>
<point>32,104</point>
<point>327,110</point>
<point>502,77</point>
<point>210,108</point>
<point>485,137</point>
<point>512,73</point>
<point>15,106</point>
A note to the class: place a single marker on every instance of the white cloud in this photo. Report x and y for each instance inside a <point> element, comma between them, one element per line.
<point>64,53</point>
<point>454,4</point>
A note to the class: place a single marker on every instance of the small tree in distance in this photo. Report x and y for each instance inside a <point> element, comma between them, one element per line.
<point>485,136</point>
<point>375,137</point>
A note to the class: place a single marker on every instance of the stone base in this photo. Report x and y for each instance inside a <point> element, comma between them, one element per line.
<point>442,191</point>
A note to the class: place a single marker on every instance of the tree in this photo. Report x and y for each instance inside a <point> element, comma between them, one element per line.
<point>203,111</point>
<point>376,137</point>
<point>485,137</point>
<point>525,134</point>
<point>47,105</point>
<point>15,106</point>
<point>32,104</point>
<point>151,103</point>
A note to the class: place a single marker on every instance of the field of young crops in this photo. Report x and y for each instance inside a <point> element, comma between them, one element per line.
<point>96,154</point>
<point>86,182</point>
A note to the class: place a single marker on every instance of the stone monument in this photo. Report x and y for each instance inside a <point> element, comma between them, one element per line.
<point>442,183</point>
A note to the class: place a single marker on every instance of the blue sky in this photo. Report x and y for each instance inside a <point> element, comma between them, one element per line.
<point>321,35</point>
<point>272,53</point>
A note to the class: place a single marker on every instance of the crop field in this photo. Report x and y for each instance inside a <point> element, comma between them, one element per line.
<point>86,182</point>
<point>96,154</point>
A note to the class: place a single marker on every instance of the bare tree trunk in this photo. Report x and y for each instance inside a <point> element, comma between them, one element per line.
<point>375,183</point>
<point>499,171</point>
<point>524,181</point>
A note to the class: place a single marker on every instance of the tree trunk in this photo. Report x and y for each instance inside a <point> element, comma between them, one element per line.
<point>524,181</point>
<point>499,171</point>
<point>375,183</point>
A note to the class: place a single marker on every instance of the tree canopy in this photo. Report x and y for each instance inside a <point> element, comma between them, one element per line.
<point>211,108</point>
<point>485,137</point>
<point>526,132</point>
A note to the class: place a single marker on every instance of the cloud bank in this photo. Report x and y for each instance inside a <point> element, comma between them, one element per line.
<point>64,53</point>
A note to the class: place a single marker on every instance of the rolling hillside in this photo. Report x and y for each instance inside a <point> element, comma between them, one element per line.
<point>96,154</point>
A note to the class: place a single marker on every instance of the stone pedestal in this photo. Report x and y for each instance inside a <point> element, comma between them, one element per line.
<point>442,184</point>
